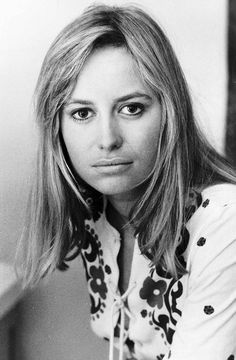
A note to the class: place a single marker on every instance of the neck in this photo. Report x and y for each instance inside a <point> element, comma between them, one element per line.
<point>124,202</point>
<point>118,213</point>
<point>119,206</point>
<point>122,207</point>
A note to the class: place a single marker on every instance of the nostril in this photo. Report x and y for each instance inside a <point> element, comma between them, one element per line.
<point>109,134</point>
<point>111,144</point>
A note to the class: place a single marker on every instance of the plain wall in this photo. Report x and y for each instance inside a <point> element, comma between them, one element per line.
<point>54,321</point>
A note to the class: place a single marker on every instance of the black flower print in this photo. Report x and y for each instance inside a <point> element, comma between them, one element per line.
<point>231,357</point>
<point>206,203</point>
<point>160,357</point>
<point>90,249</point>
<point>208,309</point>
<point>97,283</point>
<point>184,240</point>
<point>97,208</point>
<point>201,241</point>
<point>165,303</point>
<point>108,269</point>
<point>171,297</point>
<point>153,292</point>
<point>95,269</point>
<point>130,345</point>
<point>163,322</point>
<point>192,204</point>
<point>172,289</point>
<point>94,200</point>
<point>181,248</point>
<point>143,313</point>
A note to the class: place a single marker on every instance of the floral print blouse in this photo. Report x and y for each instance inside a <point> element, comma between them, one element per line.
<point>191,318</point>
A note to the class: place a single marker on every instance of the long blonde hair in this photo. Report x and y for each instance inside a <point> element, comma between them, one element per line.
<point>57,207</point>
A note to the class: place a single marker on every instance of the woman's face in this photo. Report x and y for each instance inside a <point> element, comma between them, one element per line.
<point>111,123</point>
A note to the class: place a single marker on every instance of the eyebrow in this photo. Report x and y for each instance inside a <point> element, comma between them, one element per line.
<point>135,94</point>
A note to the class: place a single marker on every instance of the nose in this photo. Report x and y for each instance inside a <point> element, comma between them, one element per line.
<point>110,135</point>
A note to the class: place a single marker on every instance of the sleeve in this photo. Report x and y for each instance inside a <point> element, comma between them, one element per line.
<point>207,327</point>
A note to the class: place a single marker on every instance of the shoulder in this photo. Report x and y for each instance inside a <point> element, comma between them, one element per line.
<point>220,195</point>
<point>212,230</point>
<point>216,201</point>
<point>207,325</point>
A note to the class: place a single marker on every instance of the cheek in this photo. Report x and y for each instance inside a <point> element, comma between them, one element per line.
<point>75,145</point>
<point>77,153</point>
<point>147,143</point>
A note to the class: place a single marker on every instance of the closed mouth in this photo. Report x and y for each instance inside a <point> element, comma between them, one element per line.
<point>111,162</point>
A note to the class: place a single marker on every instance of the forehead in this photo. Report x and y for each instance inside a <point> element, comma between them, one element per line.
<point>109,72</point>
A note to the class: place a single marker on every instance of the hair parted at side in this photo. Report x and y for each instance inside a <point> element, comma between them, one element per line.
<point>54,230</point>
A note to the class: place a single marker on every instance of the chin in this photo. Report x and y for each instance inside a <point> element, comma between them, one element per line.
<point>114,188</point>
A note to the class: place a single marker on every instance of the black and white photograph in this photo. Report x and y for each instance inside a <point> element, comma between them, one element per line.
<point>118,180</point>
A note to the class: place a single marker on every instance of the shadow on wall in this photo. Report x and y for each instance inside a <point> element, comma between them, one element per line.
<point>231,113</point>
<point>53,321</point>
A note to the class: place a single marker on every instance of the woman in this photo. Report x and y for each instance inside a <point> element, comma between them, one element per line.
<point>126,180</point>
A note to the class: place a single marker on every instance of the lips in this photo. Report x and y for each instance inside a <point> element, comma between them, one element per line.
<point>111,162</point>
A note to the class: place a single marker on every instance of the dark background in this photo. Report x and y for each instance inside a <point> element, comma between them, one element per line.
<point>231,109</point>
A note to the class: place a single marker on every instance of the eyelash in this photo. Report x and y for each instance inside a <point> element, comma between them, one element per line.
<point>79,111</point>
<point>134,105</point>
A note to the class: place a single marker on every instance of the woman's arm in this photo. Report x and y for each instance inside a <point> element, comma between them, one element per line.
<point>207,328</point>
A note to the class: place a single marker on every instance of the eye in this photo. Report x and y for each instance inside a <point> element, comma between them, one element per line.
<point>132,109</point>
<point>82,114</point>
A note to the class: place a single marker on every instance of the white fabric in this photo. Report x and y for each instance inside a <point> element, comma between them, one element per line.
<point>199,309</point>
